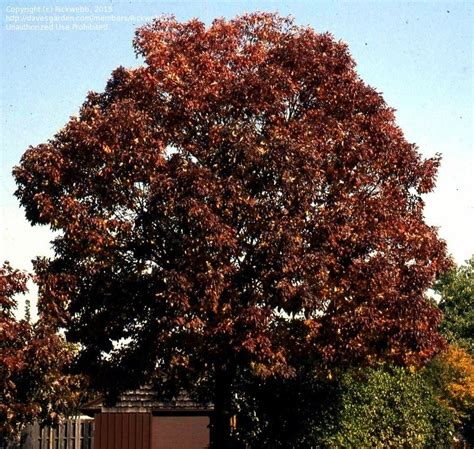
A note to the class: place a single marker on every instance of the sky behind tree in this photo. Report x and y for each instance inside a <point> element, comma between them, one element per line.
<point>418,54</point>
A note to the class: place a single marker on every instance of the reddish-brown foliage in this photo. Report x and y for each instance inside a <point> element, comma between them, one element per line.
<point>33,359</point>
<point>32,356</point>
<point>241,199</point>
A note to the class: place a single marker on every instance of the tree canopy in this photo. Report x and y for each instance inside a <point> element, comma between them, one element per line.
<point>243,199</point>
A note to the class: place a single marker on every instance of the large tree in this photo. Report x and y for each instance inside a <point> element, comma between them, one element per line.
<point>242,200</point>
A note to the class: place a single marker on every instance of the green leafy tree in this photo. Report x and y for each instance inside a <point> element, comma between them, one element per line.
<point>452,372</point>
<point>456,289</point>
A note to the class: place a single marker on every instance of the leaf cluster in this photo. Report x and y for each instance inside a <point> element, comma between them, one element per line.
<point>456,288</point>
<point>33,357</point>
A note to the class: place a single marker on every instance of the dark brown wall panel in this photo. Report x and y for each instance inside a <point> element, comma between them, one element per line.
<point>122,431</point>
<point>139,431</point>
<point>119,422</point>
<point>132,434</point>
<point>103,433</point>
<point>110,431</point>
<point>125,433</point>
<point>147,432</point>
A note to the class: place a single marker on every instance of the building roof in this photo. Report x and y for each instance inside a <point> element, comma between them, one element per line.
<point>145,400</point>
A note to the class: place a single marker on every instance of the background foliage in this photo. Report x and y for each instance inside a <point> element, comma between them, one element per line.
<point>377,407</point>
<point>453,371</point>
<point>34,384</point>
<point>456,289</point>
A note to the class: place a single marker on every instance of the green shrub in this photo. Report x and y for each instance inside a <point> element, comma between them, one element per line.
<point>383,407</point>
<point>387,408</point>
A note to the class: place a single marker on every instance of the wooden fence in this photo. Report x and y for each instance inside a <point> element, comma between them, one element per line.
<point>73,434</point>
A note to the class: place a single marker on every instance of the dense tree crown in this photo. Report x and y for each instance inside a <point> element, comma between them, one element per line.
<point>241,199</point>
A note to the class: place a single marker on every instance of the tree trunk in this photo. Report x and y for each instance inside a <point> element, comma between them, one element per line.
<point>221,435</point>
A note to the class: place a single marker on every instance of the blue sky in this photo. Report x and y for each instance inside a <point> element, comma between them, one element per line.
<point>419,54</point>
